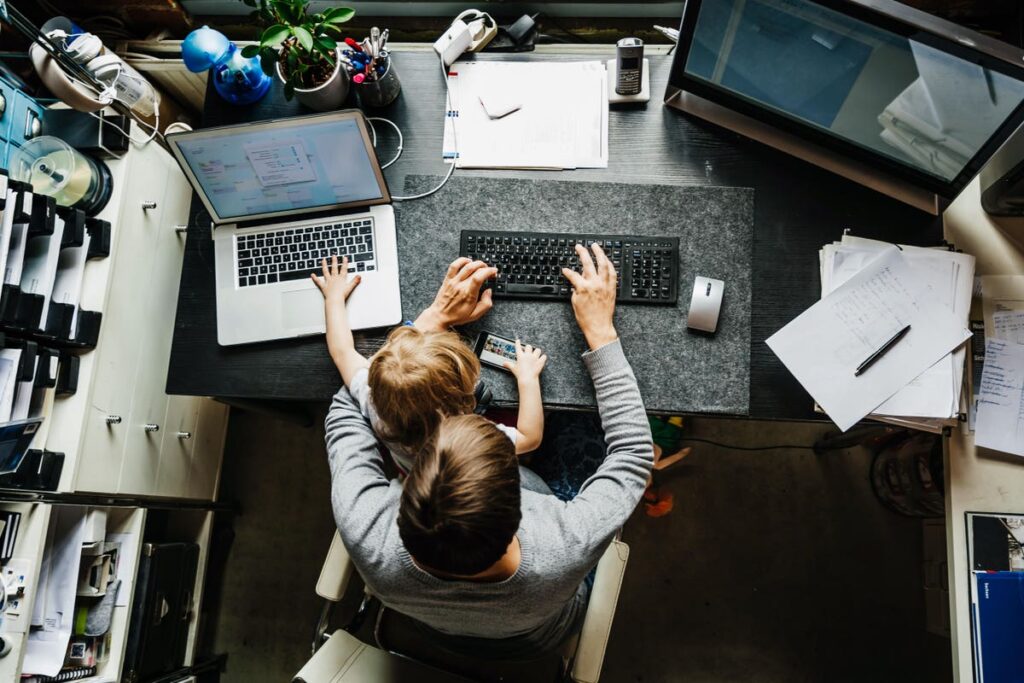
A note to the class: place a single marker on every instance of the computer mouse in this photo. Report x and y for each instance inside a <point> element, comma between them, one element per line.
<point>705,304</point>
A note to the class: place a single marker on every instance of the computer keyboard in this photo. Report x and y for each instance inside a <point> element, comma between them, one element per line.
<point>264,258</point>
<point>530,264</point>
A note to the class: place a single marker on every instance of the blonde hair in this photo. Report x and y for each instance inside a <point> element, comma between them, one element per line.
<point>419,378</point>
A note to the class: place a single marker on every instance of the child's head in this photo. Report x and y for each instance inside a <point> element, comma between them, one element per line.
<point>460,503</point>
<point>419,378</point>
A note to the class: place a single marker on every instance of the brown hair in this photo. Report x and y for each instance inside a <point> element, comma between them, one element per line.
<point>460,504</point>
<point>419,378</point>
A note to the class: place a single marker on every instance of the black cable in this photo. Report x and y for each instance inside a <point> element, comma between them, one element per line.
<point>562,28</point>
<point>747,448</point>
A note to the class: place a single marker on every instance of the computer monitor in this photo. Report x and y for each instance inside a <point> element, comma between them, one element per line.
<point>879,92</point>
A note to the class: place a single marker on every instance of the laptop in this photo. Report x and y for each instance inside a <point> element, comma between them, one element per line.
<point>283,195</point>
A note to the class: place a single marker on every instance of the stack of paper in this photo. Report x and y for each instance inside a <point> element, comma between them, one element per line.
<point>560,119</point>
<point>999,393</point>
<point>870,291</point>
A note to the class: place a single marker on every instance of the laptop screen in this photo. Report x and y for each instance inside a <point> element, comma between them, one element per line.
<point>282,167</point>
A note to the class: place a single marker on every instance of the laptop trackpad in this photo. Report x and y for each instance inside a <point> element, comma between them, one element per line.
<point>302,308</point>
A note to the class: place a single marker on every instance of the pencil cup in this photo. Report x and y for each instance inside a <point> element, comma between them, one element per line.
<point>382,91</point>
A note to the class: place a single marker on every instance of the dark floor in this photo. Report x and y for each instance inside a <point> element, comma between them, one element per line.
<point>773,566</point>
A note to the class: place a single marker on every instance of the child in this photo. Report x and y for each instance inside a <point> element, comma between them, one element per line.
<point>418,378</point>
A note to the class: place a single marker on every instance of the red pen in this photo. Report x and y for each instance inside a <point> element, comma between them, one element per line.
<point>354,45</point>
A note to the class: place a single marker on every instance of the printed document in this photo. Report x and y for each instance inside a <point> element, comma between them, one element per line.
<point>561,122</point>
<point>826,343</point>
<point>1000,422</point>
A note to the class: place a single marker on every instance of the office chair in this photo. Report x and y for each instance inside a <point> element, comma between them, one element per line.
<point>408,651</point>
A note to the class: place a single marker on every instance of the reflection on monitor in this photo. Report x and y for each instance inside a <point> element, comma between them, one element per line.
<point>886,93</point>
<point>248,172</point>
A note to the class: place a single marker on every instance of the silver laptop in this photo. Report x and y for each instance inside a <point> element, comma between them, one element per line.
<point>283,195</point>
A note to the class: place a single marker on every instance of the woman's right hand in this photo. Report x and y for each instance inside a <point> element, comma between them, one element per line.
<point>459,300</point>
<point>593,296</point>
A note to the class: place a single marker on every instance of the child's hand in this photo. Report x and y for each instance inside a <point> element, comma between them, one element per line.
<point>334,284</point>
<point>529,363</point>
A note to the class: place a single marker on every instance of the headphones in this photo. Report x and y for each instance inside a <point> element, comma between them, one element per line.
<point>484,397</point>
<point>71,91</point>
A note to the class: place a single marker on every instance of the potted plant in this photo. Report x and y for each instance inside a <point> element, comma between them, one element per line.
<point>301,48</point>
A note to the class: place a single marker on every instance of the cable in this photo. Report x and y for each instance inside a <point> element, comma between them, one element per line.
<point>455,141</point>
<point>748,448</point>
<point>398,130</point>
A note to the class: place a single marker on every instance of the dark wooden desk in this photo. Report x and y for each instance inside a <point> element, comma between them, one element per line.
<point>797,209</point>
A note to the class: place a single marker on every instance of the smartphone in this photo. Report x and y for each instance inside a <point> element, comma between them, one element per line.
<point>494,350</point>
<point>629,53</point>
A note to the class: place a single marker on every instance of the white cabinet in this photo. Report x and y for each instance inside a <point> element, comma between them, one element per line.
<point>121,433</point>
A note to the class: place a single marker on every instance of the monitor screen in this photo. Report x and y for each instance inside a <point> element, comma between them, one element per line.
<point>890,94</point>
<point>249,171</point>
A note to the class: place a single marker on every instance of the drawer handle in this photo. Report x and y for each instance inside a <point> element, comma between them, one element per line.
<point>184,435</point>
<point>180,229</point>
<point>113,419</point>
<point>151,427</point>
<point>148,204</point>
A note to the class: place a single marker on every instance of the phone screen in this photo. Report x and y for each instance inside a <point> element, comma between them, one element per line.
<point>496,350</point>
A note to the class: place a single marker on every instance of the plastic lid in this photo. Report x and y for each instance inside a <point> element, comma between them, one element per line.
<point>47,163</point>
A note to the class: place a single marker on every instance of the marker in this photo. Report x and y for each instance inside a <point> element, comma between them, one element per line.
<point>358,78</point>
<point>353,44</point>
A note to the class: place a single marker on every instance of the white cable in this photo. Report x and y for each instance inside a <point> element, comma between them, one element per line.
<point>455,141</point>
<point>398,131</point>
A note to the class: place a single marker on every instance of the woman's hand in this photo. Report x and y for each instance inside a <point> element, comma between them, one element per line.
<point>459,300</point>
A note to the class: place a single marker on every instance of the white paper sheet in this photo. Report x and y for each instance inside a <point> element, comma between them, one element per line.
<point>41,255</point>
<point>935,393</point>
<point>127,559</point>
<point>1008,326</point>
<point>67,285</point>
<point>16,254</point>
<point>9,359</point>
<point>1000,423</point>
<point>55,601</point>
<point>562,121</point>
<point>825,344</point>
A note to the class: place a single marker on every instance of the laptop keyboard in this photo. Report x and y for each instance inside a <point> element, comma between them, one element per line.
<point>293,253</point>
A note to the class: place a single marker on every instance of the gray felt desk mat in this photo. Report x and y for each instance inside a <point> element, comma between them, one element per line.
<point>678,370</point>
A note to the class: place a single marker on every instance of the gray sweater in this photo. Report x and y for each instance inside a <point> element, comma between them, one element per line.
<point>560,542</point>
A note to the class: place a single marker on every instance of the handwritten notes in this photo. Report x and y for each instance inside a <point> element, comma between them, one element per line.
<point>1008,326</point>
<point>1000,424</point>
<point>824,345</point>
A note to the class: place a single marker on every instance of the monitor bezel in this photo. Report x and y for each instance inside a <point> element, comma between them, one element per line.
<point>897,19</point>
<point>295,123</point>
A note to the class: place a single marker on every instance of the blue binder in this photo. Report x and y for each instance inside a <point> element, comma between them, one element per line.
<point>998,624</point>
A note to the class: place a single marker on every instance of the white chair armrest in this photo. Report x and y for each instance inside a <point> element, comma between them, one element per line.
<point>597,624</point>
<point>344,659</point>
<point>336,572</point>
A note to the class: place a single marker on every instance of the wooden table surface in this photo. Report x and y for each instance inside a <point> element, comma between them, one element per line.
<point>798,207</point>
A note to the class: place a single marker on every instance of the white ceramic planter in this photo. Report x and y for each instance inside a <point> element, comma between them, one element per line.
<point>328,96</point>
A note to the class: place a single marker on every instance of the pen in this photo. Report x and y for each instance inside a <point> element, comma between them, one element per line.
<point>353,44</point>
<point>870,360</point>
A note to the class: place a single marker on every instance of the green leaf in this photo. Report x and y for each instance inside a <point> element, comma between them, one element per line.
<point>268,60</point>
<point>289,91</point>
<point>326,44</point>
<point>273,35</point>
<point>304,37</point>
<point>339,15</point>
<point>250,51</point>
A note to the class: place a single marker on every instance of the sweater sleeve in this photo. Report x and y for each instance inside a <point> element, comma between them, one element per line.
<point>360,491</point>
<point>609,496</point>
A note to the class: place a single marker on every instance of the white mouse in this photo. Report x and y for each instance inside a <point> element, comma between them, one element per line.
<point>705,304</point>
